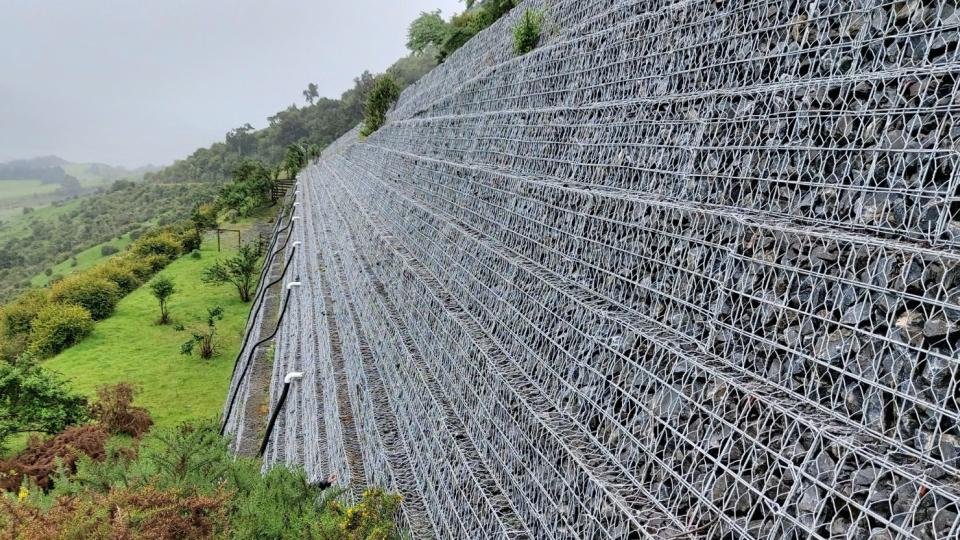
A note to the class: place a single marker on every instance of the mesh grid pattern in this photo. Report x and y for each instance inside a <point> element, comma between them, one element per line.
<point>688,270</point>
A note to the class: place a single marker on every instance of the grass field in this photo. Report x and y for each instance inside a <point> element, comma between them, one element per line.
<point>129,347</point>
<point>19,189</point>
<point>85,260</point>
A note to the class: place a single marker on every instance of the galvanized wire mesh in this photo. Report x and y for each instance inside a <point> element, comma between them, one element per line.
<point>688,270</point>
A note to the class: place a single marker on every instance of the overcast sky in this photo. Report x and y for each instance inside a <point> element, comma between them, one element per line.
<point>148,81</point>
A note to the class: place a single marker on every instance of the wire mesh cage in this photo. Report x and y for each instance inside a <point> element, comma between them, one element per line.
<point>687,270</point>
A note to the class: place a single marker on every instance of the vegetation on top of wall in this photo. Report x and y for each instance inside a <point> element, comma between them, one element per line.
<point>384,94</point>
<point>526,34</point>
<point>430,35</point>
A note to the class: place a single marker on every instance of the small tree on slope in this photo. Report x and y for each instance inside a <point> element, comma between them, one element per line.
<point>239,271</point>
<point>162,289</point>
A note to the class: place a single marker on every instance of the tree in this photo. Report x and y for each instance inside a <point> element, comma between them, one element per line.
<point>429,29</point>
<point>203,217</point>
<point>296,160</point>
<point>242,139</point>
<point>311,93</point>
<point>384,94</point>
<point>239,270</point>
<point>162,288</point>
<point>33,400</point>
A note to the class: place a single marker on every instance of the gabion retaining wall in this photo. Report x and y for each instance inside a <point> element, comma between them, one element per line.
<point>688,270</point>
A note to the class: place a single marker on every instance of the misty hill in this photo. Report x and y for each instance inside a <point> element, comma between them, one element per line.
<point>56,170</point>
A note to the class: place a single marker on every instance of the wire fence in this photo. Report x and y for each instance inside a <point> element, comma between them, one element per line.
<point>687,270</point>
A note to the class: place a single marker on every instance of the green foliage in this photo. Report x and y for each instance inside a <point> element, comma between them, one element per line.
<point>239,271</point>
<point>429,29</point>
<point>430,33</point>
<point>16,318</point>
<point>122,271</point>
<point>106,251</point>
<point>385,93</point>
<point>50,236</point>
<point>162,288</point>
<point>161,242</point>
<point>204,218</point>
<point>296,160</point>
<point>32,399</point>
<point>89,291</point>
<point>193,462</point>
<point>58,327</point>
<point>127,348</point>
<point>204,340</point>
<point>249,190</point>
<point>526,34</point>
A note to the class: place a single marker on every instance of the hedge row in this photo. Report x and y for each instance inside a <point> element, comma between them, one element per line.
<point>44,322</point>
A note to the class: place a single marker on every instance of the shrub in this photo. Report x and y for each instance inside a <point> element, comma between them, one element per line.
<point>16,318</point>
<point>121,272</point>
<point>123,513</point>
<point>138,265</point>
<point>156,263</point>
<point>383,95</point>
<point>98,295</point>
<point>116,414</point>
<point>58,327</point>
<point>526,34</point>
<point>185,483</point>
<point>33,400</point>
<point>108,250</point>
<point>11,347</point>
<point>204,339</point>
<point>195,254</point>
<point>40,460</point>
<point>162,243</point>
<point>190,241</point>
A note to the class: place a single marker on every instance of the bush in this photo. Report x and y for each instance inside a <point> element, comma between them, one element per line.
<point>98,295</point>
<point>185,483</point>
<point>16,318</point>
<point>58,327</point>
<point>204,340</point>
<point>526,35</point>
<point>163,243</point>
<point>384,94</point>
<point>33,400</point>
<point>195,254</point>
<point>116,414</point>
<point>108,250</point>
<point>40,460</point>
<point>121,272</point>
<point>136,264</point>
<point>124,512</point>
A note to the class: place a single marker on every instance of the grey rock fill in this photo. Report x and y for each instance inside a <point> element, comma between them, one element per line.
<point>687,270</point>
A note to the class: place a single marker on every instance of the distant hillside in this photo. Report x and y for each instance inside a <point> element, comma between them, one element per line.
<point>56,170</point>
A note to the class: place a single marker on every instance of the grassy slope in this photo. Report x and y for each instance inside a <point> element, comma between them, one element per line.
<point>85,259</point>
<point>129,347</point>
<point>15,189</point>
